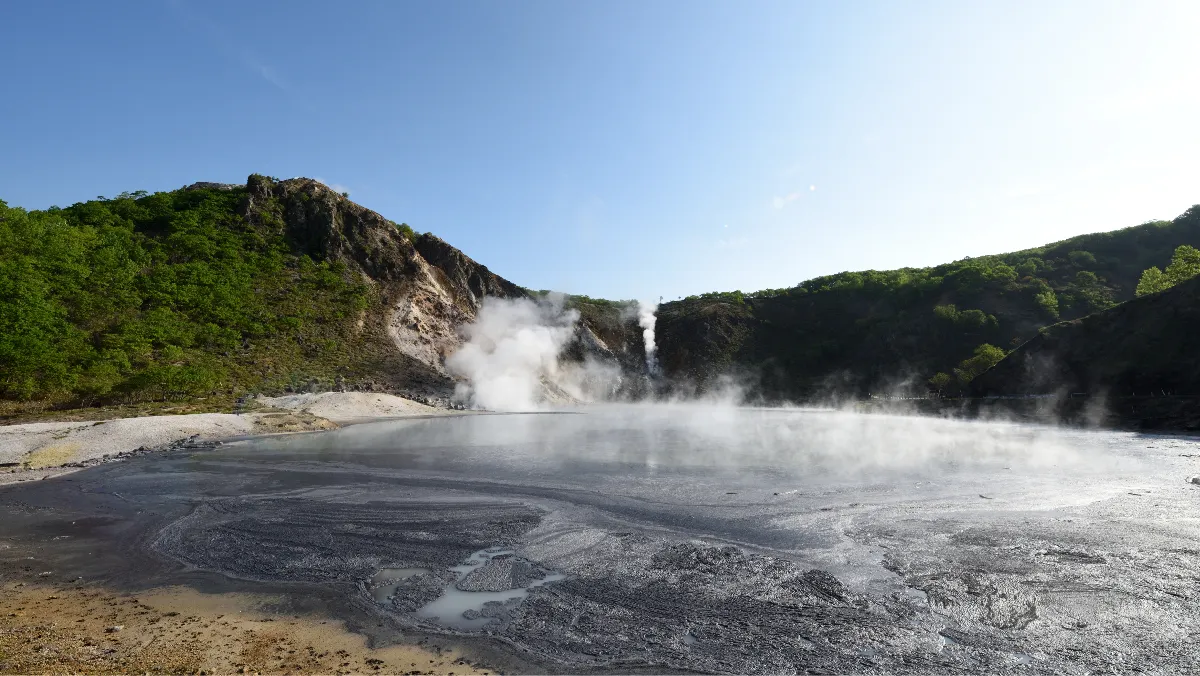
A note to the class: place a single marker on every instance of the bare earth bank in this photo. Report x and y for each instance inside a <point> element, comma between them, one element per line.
<point>32,451</point>
<point>72,628</point>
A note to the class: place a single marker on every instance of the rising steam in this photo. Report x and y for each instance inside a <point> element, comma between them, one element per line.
<point>511,353</point>
<point>646,320</point>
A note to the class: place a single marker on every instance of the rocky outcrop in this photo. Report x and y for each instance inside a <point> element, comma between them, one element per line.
<point>462,273</point>
<point>427,289</point>
<point>697,345</point>
<point>208,185</point>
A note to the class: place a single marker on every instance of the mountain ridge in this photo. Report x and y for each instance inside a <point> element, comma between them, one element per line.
<point>215,290</point>
<point>870,331</point>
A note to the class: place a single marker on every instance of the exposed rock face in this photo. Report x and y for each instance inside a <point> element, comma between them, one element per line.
<point>608,334</point>
<point>208,185</point>
<point>428,288</point>
<point>326,225</point>
<point>464,274</point>
<point>697,347</point>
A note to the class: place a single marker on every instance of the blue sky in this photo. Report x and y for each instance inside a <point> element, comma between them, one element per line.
<point>630,149</point>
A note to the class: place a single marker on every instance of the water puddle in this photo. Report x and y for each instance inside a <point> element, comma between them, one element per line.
<point>385,582</point>
<point>462,609</point>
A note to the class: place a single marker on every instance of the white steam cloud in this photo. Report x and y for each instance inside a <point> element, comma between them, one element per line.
<point>511,353</point>
<point>646,320</point>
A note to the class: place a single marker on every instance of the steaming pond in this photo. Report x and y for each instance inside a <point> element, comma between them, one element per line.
<point>670,538</point>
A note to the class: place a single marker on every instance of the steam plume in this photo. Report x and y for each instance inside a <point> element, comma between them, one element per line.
<point>646,320</point>
<point>511,350</point>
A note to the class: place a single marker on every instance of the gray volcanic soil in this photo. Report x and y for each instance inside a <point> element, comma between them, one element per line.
<point>674,538</point>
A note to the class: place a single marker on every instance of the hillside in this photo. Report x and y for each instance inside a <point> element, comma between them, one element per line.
<point>214,291</point>
<point>858,332</point>
<point>1149,346</point>
<point>217,290</point>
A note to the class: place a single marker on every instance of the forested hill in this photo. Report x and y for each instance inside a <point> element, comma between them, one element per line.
<point>858,332</point>
<point>212,291</point>
<point>1147,347</point>
<point>217,290</point>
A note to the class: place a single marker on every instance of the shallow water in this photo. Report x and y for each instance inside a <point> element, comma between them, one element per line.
<point>449,608</point>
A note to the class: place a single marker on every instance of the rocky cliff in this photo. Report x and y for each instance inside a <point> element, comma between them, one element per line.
<point>427,289</point>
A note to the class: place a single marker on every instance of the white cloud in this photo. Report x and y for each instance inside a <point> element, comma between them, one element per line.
<point>781,202</point>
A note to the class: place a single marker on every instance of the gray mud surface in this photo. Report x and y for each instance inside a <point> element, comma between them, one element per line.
<point>675,540</point>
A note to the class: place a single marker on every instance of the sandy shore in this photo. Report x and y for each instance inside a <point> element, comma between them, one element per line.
<point>34,450</point>
<point>344,407</point>
<point>70,628</point>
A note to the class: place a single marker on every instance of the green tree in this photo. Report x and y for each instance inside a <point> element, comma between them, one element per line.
<point>1185,264</point>
<point>406,230</point>
<point>940,382</point>
<point>160,296</point>
<point>1153,280</point>
<point>1047,301</point>
<point>1030,267</point>
<point>1082,259</point>
<point>946,312</point>
<point>1087,293</point>
<point>966,320</point>
<point>986,356</point>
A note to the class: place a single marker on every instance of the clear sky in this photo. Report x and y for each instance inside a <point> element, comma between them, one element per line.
<point>630,149</point>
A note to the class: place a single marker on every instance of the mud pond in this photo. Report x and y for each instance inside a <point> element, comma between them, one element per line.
<point>671,538</point>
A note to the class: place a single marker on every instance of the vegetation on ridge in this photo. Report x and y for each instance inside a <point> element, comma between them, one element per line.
<point>1185,264</point>
<point>218,289</point>
<point>869,330</point>
<point>171,295</point>
<point>1144,347</point>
